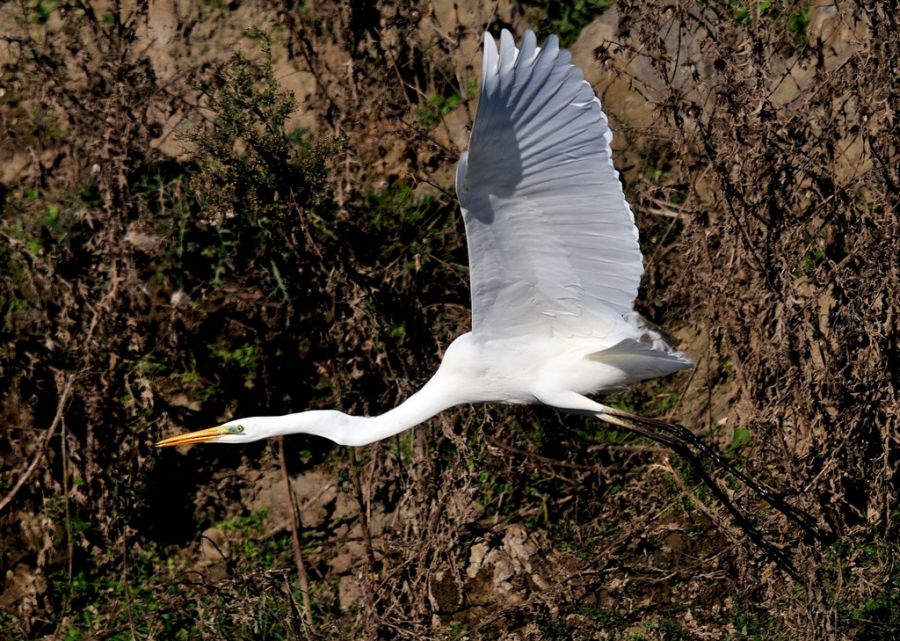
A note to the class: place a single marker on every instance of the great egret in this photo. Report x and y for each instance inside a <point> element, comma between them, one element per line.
<point>554,268</point>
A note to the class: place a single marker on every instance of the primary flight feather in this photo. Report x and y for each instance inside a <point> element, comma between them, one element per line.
<point>552,241</point>
<point>555,266</point>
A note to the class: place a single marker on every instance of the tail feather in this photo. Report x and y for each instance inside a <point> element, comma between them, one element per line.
<point>641,360</point>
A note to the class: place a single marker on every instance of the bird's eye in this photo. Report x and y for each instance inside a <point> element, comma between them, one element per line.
<point>235,429</point>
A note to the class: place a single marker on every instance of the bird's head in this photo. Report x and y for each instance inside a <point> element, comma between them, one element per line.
<point>242,430</point>
<point>327,423</point>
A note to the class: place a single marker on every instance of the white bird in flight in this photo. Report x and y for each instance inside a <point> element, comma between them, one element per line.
<point>554,266</point>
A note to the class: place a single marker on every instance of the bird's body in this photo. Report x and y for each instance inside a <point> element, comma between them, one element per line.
<point>554,267</point>
<point>559,371</point>
<point>554,257</point>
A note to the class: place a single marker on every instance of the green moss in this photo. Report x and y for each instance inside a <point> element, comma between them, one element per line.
<point>566,19</point>
<point>739,439</point>
<point>437,106</point>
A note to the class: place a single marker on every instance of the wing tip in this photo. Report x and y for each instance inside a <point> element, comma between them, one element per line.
<point>489,59</point>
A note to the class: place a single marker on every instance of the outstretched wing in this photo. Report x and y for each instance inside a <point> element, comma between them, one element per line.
<point>552,241</point>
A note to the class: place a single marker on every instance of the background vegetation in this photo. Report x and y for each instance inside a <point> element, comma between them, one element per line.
<point>217,209</point>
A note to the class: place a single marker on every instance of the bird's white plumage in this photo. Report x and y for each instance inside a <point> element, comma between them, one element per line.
<point>553,247</point>
<point>553,254</point>
<point>555,268</point>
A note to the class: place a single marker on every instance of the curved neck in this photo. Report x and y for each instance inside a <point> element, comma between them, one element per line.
<point>436,396</point>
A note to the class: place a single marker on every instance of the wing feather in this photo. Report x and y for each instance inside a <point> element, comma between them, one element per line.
<point>552,241</point>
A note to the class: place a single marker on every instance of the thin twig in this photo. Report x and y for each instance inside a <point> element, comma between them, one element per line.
<point>541,458</point>
<point>57,419</point>
<point>69,547</point>
<point>295,538</point>
<point>363,511</point>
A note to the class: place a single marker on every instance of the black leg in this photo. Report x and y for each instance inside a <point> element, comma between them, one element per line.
<point>781,557</point>
<point>684,435</point>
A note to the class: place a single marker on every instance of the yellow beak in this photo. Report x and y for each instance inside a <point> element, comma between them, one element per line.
<point>202,436</point>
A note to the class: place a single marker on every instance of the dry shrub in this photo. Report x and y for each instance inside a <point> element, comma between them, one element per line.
<point>270,270</point>
<point>782,133</point>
